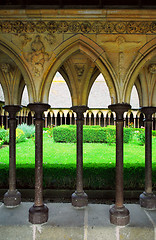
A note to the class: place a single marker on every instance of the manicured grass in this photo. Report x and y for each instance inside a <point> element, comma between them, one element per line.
<point>59,161</point>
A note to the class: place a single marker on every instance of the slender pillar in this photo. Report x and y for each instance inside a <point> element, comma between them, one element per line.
<point>119,214</point>
<point>89,120</point>
<point>104,121</point>
<point>147,198</point>
<point>12,197</point>
<point>85,118</point>
<point>79,198</point>
<point>134,122</point>
<point>51,121</point>
<point>124,122</point>
<point>38,213</point>
<point>7,122</point>
<point>55,121</point>
<point>46,122</point>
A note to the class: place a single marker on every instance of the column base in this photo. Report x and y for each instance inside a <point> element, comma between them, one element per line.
<point>79,199</point>
<point>119,216</point>
<point>148,200</point>
<point>12,199</point>
<point>38,215</point>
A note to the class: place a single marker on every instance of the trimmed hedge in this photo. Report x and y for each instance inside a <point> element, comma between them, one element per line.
<point>91,134</point>
<point>56,176</point>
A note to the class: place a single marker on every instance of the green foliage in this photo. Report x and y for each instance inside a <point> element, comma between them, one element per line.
<point>154,133</point>
<point>50,131</point>
<point>141,138</point>
<point>110,135</point>
<point>3,133</point>
<point>59,165</point>
<point>128,134</point>
<point>91,134</point>
<point>1,143</point>
<point>29,130</point>
<point>64,133</point>
<point>94,134</point>
<point>20,136</point>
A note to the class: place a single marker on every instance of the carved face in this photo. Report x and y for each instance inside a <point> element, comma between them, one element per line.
<point>79,70</point>
<point>152,68</point>
<point>5,67</point>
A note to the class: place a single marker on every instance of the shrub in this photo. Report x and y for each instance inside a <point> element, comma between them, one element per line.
<point>127,135</point>
<point>1,143</point>
<point>29,130</point>
<point>154,133</point>
<point>50,131</point>
<point>20,136</point>
<point>94,134</point>
<point>91,134</point>
<point>110,135</point>
<point>64,133</point>
<point>141,138</point>
<point>3,133</point>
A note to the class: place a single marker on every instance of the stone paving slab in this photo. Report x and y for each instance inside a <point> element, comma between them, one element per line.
<point>68,223</point>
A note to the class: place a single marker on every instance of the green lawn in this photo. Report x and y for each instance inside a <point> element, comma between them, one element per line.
<point>65,153</point>
<point>59,161</point>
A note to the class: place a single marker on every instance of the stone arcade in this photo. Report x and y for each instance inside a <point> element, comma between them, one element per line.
<point>80,44</point>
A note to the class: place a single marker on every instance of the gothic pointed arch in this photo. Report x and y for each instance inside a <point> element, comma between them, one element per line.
<point>14,53</point>
<point>79,43</point>
<point>146,55</point>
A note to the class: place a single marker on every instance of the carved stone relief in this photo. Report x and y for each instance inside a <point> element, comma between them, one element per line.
<point>7,71</point>
<point>79,69</point>
<point>131,27</point>
<point>37,56</point>
<point>152,68</point>
<point>119,52</point>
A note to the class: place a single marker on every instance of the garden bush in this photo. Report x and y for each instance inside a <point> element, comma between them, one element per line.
<point>60,176</point>
<point>154,133</point>
<point>64,133</point>
<point>1,143</point>
<point>3,133</point>
<point>91,134</point>
<point>20,136</point>
<point>29,130</point>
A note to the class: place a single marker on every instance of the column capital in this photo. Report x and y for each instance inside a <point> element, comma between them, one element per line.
<point>38,108</point>
<point>148,111</point>
<point>79,110</point>
<point>119,109</point>
<point>12,110</point>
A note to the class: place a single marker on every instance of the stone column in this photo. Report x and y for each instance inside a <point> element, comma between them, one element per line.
<point>46,122</point>
<point>147,198</point>
<point>79,198</point>
<point>134,122</point>
<point>55,121</point>
<point>95,120</point>
<point>38,213</point>
<point>119,214</point>
<point>12,197</point>
<point>104,121</point>
<point>7,122</point>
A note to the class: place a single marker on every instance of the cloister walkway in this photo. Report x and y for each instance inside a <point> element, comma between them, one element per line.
<point>67,223</point>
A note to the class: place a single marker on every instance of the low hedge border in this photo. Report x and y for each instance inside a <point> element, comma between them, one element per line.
<point>64,176</point>
<point>91,134</point>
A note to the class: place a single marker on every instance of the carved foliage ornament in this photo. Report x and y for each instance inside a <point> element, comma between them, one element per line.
<point>5,67</point>
<point>130,27</point>
<point>152,68</point>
